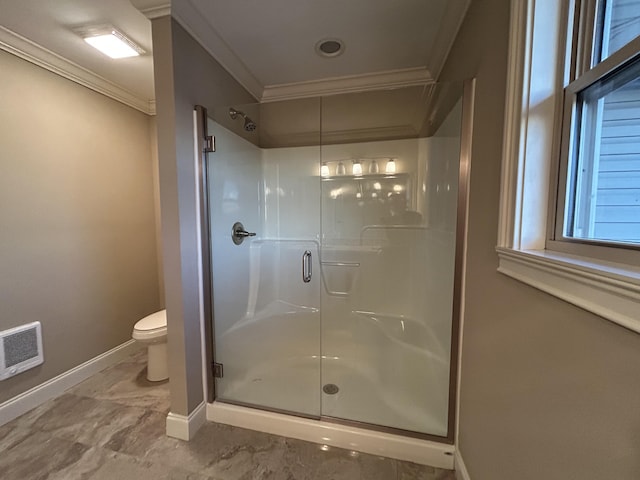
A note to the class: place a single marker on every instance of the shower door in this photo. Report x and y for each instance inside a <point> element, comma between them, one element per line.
<point>342,304</point>
<point>389,211</point>
<point>266,289</point>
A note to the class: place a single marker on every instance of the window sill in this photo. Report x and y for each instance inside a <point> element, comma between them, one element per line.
<point>607,289</point>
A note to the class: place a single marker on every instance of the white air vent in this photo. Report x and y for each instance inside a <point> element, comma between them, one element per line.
<point>20,349</point>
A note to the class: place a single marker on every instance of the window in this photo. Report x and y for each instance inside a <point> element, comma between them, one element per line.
<point>601,153</point>
<point>570,191</point>
<point>618,22</point>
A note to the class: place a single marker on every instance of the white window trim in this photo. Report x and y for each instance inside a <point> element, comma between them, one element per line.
<point>534,83</point>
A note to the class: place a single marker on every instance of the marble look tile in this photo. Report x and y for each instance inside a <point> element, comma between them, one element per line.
<point>102,464</point>
<point>84,420</point>
<point>313,461</point>
<point>112,426</point>
<point>126,383</point>
<point>338,464</point>
<point>223,452</point>
<point>139,437</point>
<point>413,471</point>
<point>37,456</point>
<point>11,435</point>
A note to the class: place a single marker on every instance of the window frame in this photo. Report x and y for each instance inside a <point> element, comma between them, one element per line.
<point>600,278</point>
<point>585,70</point>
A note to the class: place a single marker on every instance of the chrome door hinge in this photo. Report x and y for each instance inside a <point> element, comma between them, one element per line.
<point>209,144</point>
<point>218,370</point>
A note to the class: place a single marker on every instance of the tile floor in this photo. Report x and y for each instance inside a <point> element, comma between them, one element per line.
<point>112,427</point>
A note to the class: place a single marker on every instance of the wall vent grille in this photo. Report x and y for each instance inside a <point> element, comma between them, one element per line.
<point>20,349</point>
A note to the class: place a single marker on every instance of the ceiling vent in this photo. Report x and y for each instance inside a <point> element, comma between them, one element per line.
<point>329,47</point>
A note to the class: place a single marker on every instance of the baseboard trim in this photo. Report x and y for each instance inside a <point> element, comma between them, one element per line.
<point>36,396</point>
<point>461,469</point>
<point>185,428</point>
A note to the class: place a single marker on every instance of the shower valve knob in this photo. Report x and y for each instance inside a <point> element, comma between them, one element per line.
<point>238,233</point>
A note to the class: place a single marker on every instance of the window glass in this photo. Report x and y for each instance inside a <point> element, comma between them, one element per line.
<point>620,23</point>
<point>603,198</point>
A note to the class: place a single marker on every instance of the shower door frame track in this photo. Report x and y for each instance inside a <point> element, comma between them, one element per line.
<point>201,143</point>
<point>466,132</point>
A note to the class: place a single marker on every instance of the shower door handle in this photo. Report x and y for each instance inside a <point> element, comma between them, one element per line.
<point>306,266</point>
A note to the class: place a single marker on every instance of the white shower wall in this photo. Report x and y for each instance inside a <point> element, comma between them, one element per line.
<point>291,193</point>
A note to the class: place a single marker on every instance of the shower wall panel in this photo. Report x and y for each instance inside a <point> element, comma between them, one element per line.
<point>292,193</point>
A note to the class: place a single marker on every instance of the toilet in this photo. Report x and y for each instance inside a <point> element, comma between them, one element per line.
<point>152,332</point>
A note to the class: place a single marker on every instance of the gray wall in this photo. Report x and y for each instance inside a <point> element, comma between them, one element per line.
<point>548,391</point>
<point>185,76</point>
<point>77,226</point>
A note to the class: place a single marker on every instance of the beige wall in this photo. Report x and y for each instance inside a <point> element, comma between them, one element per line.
<point>77,226</point>
<point>185,76</point>
<point>548,391</point>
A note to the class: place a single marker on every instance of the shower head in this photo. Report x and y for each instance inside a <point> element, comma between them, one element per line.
<point>249,125</point>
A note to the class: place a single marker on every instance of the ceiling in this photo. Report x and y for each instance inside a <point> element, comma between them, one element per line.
<point>269,47</point>
<point>42,31</point>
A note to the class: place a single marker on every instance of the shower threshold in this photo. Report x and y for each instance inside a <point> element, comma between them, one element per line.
<point>335,433</point>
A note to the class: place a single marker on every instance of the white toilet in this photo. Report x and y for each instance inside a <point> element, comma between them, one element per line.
<point>152,331</point>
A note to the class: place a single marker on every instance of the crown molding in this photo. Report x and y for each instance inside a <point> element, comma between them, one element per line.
<point>194,22</point>
<point>157,12</point>
<point>406,77</point>
<point>153,8</point>
<point>30,51</point>
<point>453,17</point>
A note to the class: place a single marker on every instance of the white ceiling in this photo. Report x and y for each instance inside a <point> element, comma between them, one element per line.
<point>267,45</point>
<point>44,30</point>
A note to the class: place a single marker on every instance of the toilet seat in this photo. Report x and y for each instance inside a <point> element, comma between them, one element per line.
<point>151,327</point>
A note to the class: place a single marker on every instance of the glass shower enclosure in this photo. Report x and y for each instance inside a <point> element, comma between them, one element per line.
<point>333,228</point>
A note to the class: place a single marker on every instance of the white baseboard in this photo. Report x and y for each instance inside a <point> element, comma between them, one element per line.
<point>461,470</point>
<point>333,434</point>
<point>185,428</point>
<point>36,396</point>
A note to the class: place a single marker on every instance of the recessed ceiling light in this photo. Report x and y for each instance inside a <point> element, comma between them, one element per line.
<point>110,41</point>
<point>329,47</point>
